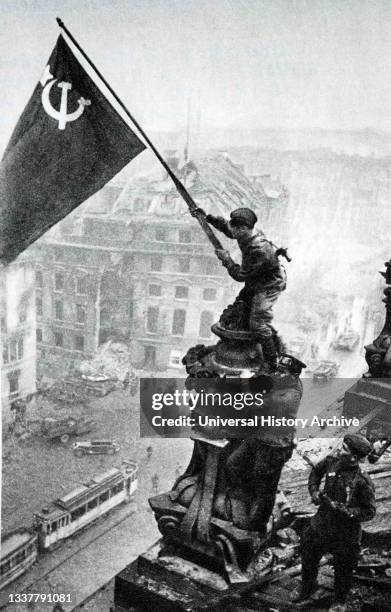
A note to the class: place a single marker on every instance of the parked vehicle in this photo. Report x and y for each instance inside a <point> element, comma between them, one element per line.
<point>312,365</point>
<point>64,428</point>
<point>99,386</point>
<point>347,341</point>
<point>95,447</point>
<point>326,370</point>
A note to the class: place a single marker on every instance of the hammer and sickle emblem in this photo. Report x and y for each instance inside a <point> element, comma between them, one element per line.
<point>62,116</point>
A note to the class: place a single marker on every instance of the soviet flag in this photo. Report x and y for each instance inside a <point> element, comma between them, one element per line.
<point>68,143</point>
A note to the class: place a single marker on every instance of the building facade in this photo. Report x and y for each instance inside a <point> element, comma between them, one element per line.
<point>133,265</point>
<point>18,339</point>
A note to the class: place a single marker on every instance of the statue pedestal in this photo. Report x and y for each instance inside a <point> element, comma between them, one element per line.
<point>158,580</point>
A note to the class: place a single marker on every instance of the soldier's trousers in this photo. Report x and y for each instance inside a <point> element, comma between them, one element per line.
<point>345,556</point>
<point>261,312</point>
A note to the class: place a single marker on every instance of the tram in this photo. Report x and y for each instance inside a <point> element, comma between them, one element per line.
<point>18,553</point>
<point>74,511</point>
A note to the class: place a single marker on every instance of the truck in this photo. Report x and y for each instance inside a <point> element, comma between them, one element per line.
<point>63,429</point>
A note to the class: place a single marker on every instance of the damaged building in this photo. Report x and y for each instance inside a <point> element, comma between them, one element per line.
<point>18,345</point>
<point>133,265</point>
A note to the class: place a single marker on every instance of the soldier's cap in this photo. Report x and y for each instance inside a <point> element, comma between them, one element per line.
<point>358,445</point>
<point>243,216</point>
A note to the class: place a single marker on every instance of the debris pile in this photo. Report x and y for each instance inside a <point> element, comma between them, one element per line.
<point>112,361</point>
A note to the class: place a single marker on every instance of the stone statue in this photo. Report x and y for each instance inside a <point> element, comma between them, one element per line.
<point>219,511</point>
<point>378,354</point>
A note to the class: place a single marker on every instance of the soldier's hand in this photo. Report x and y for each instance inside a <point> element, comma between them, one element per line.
<point>341,508</point>
<point>197,212</point>
<point>315,498</point>
<point>223,255</point>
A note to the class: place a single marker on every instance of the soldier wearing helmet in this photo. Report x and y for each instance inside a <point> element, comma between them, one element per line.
<point>260,270</point>
<point>347,500</point>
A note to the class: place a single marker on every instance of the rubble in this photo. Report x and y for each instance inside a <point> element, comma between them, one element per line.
<point>112,360</point>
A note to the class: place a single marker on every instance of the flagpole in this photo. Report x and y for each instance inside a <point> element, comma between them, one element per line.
<point>178,184</point>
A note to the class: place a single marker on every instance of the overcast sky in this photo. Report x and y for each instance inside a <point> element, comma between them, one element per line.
<point>243,63</point>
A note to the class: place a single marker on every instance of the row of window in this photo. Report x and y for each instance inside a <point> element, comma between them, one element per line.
<point>211,266</point>
<point>179,321</point>
<point>162,235</point>
<point>17,559</point>
<point>59,282</point>
<point>58,339</point>
<point>59,310</point>
<point>182,292</point>
<point>13,350</point>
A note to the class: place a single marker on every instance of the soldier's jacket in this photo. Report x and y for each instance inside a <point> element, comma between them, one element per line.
<point>260,265</point>
<point>347,485</point>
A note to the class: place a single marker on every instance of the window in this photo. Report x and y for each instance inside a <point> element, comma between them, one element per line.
<point>12,350</point>
<point>81,285</point>
<point>205,324</point>
<point>22,314</point>
<point>20,348</point>
<point>103,497</point>
<point>59,281</point>
<point>79,343</point>
<point>161,235</point>
<point>13,381</point>
<point>5,567</point>
<point>211,266</point>
<point>19,557</point>
<point>156,263</point>
<point>175,359</point>
<point>178,322</point>
<point>130,310</point>
<point>209,294</point>
<point>155,290</point>
<point>5,354</point>
<point>59,308</point>
<point>184,264</point>
<point>58,339</point>
<point>39,306</point>
<point>54,526</point>
<point>117,488</point>
<point>181,293</point>
<point>81,314</point>
<point>78,513</point>
<point>184,236</point>
<point>3,325</point>
<point>92,503</point>
<point>152,319</point>
<point>39,278</point>
<point>38,334</point>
